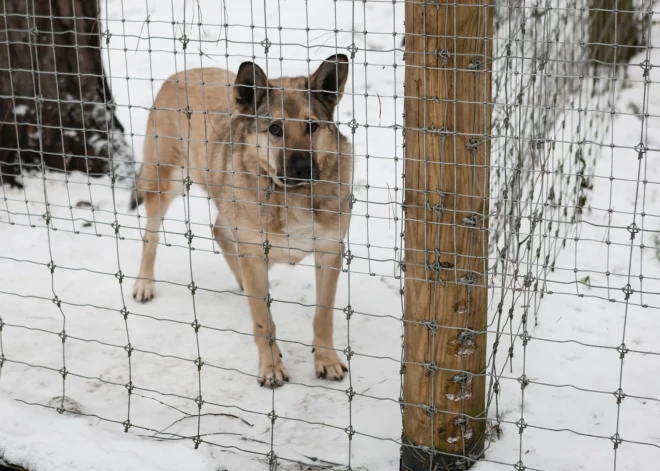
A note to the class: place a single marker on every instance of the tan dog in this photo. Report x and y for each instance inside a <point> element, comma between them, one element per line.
<point>270,156</point>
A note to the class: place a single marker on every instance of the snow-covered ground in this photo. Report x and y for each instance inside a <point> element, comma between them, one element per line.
<point>569,406</point>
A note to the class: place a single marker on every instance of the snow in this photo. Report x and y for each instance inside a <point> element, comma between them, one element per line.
<point>569,407</point>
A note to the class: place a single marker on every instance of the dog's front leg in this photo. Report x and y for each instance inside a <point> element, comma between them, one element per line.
<point>271,369</point>
<point>326,360</point>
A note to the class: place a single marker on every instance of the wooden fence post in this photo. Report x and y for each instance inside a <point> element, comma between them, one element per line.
<point>447,127</point>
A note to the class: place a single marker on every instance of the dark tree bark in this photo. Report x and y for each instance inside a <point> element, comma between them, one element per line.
<point>614,38</point>
<point>55,103</point>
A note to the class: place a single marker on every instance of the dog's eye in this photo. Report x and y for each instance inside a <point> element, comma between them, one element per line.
<point>313,127</point>
<point>275,130</point>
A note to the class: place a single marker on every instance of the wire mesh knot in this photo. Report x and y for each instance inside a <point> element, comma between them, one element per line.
<point>465,336</point>
<point>51,266</point>
<point>353,49</point>
<point>187,182</point>
<point>617,440</point>
<point>199,401</point>
<point>633,229</point>
<point>468,279</point>
<point>57,302</point>
<point>437,208</point>
<point>348,310</point>
<point>620,395</point>
<point>627,291</point>
<point>519,466</point>
<point>197,440</point>
<point>272,460</point>
<point>353,124</point>
<point>350,393</point>
<point>107,35</point>
<point>124,313</point>
<point>63,372</point>
<point>524,381</point>
<point>525,337</point>
<point>348,256</point>
<point>128,348</point>
<point>129,387</point>
<point>431,410</point>
<point>350,431</point>
<point>272,416</point>
<point>432,326</point>
<point>63,336</point>
<point>351,200</point>
<point>120,277</point>
<point>470,221</point>
<point>522,425</point>
<point>623,350</point>
<point>442,131</point>
<point>195,325</point>
<point>199,363</point>
<point>474,65</point>
<point>266,44</point>
<point>192,287</point>
<point>443,54</point>
<point>127,425</point>
<point>431,367</point>
<point>348,351</point>
<point>184,40</point>
<point>543,60</point>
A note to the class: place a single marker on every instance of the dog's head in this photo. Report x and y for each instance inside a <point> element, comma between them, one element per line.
<point>290,127</point>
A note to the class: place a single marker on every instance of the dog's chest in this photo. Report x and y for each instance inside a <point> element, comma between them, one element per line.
<point>302,233</point>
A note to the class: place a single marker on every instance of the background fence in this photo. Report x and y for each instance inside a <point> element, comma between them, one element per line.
<point>571,262</point>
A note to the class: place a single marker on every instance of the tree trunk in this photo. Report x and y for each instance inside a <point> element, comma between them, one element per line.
<point>56,108</point>
<point>614,37</point>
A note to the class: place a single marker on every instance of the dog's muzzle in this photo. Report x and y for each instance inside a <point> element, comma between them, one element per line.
<point>301,169</point>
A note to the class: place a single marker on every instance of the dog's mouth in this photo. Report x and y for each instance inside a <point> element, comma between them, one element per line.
<point>291,182</point>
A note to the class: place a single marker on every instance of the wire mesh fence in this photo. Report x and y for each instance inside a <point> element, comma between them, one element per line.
<point>258,129</point>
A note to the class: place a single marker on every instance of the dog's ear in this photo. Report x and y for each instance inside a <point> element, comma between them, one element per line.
<point>327,83</point>
<point>249,87</point>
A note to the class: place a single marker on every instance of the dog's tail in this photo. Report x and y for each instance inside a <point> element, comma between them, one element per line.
<point>136,199</point>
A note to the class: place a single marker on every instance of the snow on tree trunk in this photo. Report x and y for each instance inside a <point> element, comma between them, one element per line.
<point>55,104</point>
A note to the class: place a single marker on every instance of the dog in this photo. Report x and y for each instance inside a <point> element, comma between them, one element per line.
<point>271,157</point>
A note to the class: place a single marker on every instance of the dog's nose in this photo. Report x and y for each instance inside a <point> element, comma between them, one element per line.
<point>301,168</point>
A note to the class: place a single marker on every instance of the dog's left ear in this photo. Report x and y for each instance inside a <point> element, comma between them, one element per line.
<point>327,83</point>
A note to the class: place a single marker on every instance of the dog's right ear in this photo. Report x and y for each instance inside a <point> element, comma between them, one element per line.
<point>249,87</point>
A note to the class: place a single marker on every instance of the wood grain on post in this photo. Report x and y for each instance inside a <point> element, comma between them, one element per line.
<point>447,127</point>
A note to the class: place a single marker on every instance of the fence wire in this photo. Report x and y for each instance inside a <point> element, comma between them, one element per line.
<point>164,156</point>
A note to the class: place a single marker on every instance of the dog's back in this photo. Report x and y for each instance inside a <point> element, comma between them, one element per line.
<point>189,117</point>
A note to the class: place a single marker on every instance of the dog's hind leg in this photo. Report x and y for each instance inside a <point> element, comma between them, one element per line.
<point>326,361</point>
<point>156,205</point>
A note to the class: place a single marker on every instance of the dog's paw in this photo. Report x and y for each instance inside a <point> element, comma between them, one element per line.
<point>144,290</point>
<point>327,365</point>
<point>272,375</point>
